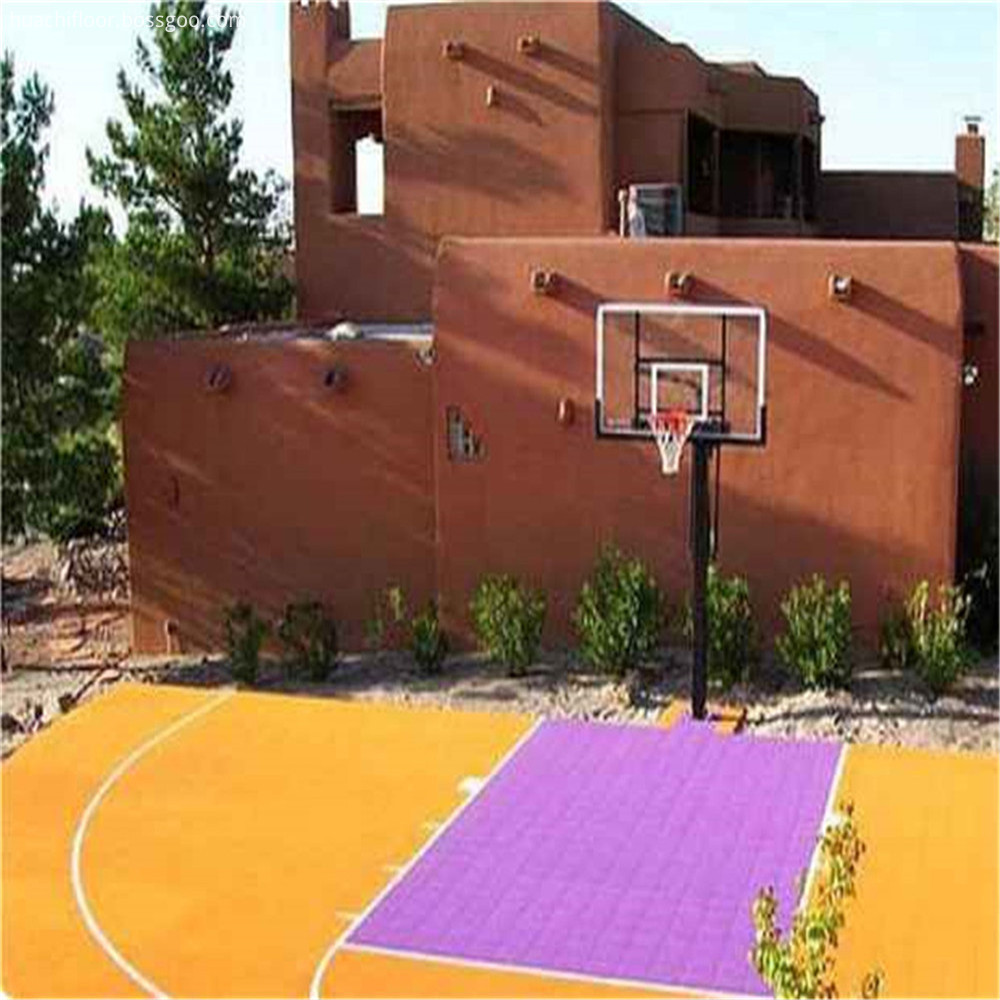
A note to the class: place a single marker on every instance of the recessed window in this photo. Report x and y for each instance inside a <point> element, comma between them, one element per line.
<point>356,161</point>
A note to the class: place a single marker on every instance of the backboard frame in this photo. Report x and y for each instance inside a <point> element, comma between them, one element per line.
<point>711,430</point>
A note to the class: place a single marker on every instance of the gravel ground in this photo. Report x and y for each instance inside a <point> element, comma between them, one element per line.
<point>64,647</point>
<point>881,706</point>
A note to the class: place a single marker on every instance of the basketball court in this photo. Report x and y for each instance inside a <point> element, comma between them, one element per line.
<point>181,842</point>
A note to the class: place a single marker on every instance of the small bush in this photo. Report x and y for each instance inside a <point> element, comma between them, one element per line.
<point>816,644</point>
<point>428,643</point>
<point>387,625</point>
<point>619,613</point>
<point>245,635</point>
<point>309,636</point>
<point>508,619</point>
<point>733,640</point>
<point>801,962</point>
<point>940,652</point>
<point>895,640</point>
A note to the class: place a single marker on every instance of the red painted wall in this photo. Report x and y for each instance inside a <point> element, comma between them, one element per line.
<point>859,476</point>
<point>278,489</point>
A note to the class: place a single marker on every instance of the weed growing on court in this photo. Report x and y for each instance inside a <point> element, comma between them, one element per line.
<point>733,638</point>
<point>508,618</point>
<point>800,963</point>
<point>816,643</point>
<point>619,613</point>
<point>937,630</point>
<point>428,642</point>
<point>245,635</point>
<point>309,637</point>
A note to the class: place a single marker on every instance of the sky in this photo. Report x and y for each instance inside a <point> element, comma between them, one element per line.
<point>894,79</point>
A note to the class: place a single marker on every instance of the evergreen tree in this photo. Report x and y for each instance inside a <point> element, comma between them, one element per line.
<point>59,464</point>
<point>205,243</point>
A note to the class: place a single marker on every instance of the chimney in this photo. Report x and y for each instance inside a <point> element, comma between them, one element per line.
<point>970,165</point>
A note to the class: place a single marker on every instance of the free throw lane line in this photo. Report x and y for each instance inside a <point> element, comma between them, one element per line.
<point>320,973</point>
<point>828,817</point>
<point>76,853</point>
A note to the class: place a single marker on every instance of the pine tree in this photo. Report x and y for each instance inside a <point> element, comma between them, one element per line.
<point>59,470</point>
<point>206,243</point>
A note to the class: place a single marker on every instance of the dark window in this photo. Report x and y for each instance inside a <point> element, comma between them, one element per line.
<point>701,165</point>
<point>739,152</point>
<point>810,171</point>
<point>347,129</point>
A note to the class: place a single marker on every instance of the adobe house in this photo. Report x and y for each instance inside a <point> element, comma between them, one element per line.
<point>431,416</point>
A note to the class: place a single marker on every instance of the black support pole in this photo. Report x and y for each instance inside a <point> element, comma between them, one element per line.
<point>700,543</point>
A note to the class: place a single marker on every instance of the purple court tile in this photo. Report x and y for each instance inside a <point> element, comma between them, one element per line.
<point>618,851</point>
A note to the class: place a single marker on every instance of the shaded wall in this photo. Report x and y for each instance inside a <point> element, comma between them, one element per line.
<point>859,476</point>
<point>899,205</point>
<point>277,489</point>
<point>980,480</point>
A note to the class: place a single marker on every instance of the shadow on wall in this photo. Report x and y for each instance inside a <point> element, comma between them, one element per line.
<point>531,83</point>
<point>472,159</point>
<point>818,499</point>
<point>279,489</point>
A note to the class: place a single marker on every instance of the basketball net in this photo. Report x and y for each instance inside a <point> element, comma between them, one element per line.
<point>671,429</point>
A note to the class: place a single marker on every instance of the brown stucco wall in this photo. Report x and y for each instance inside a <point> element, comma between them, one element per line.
<point>898,205</point>
<point>980,441</point>
<point>859,476</point>
<point>602,103</point>
<point>278,489</point>
<point>533,162</point>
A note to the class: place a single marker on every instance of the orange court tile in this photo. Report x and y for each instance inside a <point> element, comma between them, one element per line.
<point>363,974</point>
<point>46,785</point>
<point>227,862</point>
<point>926,908</point>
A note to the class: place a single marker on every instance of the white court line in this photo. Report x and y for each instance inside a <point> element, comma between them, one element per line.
<point>319,974</point>
<point>75,872</point>
<point>828,814</point>
<point>538,970</point>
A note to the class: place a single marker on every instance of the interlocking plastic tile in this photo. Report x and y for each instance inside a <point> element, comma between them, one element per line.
<point>618,851</point>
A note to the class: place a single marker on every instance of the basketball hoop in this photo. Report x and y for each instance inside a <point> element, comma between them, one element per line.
<point>671,429</point>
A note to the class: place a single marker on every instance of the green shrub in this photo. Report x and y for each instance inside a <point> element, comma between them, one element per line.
<point>508,619</point>
<point>309,636</point>
<point>619,613</point>
<point>733,639</point>
<point>389,619</point>
<point>816,644</point>
<point>940,652</point>
<point>428,643</point>
<point>801,962</point>
<point>895,640</point>
<point>245,635</point>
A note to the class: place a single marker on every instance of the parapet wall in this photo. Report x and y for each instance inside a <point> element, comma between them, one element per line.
<point>280,487</point>
<point>859,476</point>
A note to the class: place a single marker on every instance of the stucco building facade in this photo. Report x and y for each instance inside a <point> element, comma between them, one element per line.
<point>517,139</point>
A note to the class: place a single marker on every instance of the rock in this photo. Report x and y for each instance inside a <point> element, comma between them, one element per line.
<point>10,723</point>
